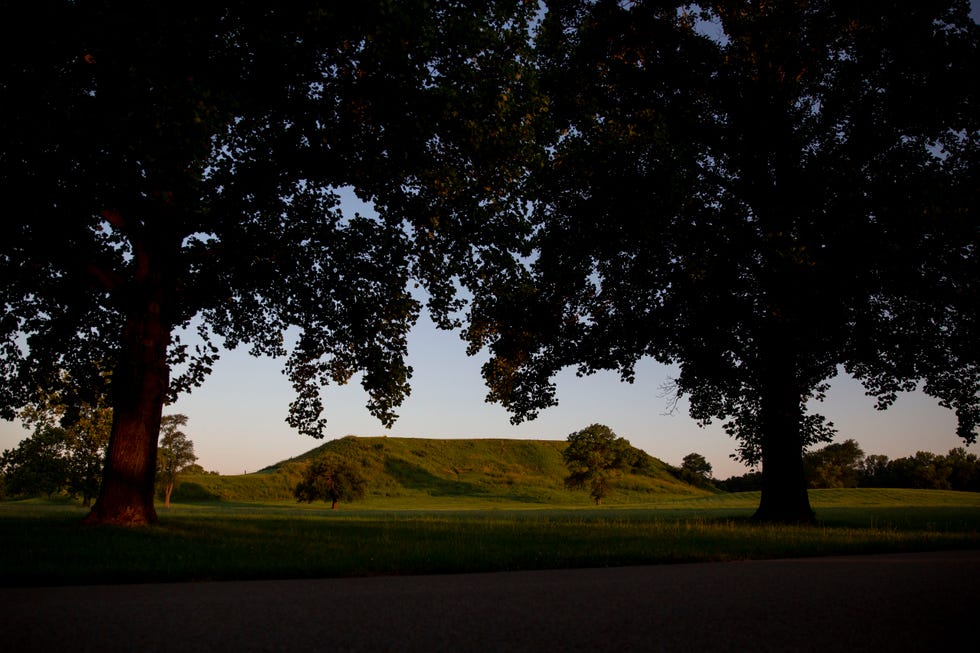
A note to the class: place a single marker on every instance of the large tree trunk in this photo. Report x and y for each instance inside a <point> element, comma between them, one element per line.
<point>139,385</point>
<point>784,493</point>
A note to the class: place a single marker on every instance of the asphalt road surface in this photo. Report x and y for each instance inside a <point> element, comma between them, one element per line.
<point>888,603</point>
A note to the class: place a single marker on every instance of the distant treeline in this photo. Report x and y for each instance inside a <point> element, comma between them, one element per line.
<point>845,465</point>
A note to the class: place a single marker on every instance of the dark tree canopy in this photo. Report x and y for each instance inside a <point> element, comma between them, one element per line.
<point>697,464</point>
<point>762,193</point>
<point>836,465</point>
<point>170,175</point>
<point>958,470</point>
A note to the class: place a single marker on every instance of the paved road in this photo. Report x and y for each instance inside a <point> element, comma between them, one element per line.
<point>908,602</point>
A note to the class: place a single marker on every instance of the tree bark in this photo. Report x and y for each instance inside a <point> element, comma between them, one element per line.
<point>139,385</point>
<point>784,492</point>
<point>166,495</point>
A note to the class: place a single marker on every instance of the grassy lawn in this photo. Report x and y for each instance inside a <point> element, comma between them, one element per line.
<point>44,543</point>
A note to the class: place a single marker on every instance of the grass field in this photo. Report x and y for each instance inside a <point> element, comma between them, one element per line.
<point>43,542</point>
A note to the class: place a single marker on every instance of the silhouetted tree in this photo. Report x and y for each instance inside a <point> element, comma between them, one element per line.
<point>748,482</point>
<point>170,175</point>
<point>695,463</point>
<point>596,457</point>
<point>762,193</point>
<point>873,471</point>
<point>958,470</point>
<point>836,465</point>
<point>332,479</point>
<point>924,471</point>
<point>964,470</point>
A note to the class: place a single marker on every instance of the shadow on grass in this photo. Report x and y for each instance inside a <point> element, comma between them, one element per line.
<point>193,492</point>
<point>414,477</point>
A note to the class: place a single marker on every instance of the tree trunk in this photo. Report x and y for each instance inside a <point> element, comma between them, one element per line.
<point>784,494</point>
<point>166,494</point>
<point>139,386</point>
<point>333,506</point>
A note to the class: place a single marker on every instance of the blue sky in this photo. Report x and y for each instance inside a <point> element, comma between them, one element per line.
<point>237,418</point>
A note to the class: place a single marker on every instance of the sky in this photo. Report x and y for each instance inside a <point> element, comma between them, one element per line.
<point>236,419</point>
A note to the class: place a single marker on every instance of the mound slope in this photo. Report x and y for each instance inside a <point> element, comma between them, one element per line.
<point>493,469</point>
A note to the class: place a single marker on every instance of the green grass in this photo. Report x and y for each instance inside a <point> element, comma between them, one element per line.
<point>44,542</point>
<point>484,472</point>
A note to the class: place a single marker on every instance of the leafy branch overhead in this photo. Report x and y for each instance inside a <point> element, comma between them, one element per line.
<point>177,172</point>
<point>764,194</point>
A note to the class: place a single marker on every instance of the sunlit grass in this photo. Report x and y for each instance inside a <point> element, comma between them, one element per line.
<point>44,543</point>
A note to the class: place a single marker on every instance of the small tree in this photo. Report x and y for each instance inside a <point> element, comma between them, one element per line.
<point>595,458</point>
<point>330,478</point>
<point>88,437</point>
<point>836,465</point>
<point>38,465</point>
<point>697,464</point>
<point>695,470</point>
<point>175,454</point>
<point>83,431</point>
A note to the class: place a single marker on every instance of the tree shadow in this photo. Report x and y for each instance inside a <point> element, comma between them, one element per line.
<point>416,478</point>
<point>185,491</point>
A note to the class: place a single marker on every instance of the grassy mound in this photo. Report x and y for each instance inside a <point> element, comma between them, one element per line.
<point>495,470</point>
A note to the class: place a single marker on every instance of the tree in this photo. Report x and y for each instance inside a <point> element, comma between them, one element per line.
<point>198,470</point>
<point>836,465</point>
<point>596,457</point>
<point>763,194</point>
<point>176,453</point>
<point>88,441</point>
<point>330,478</point>
<point>923,471</point>
<point>748,482</point>
<point>958,470</point>
<point>874,471</point>
<point>86,431</point>
<point>171,176</point>
<point>38,465</point>
<point>695,470</point>
<point>696,464</point>
<point>66,452</point>
<point>964,470</point>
